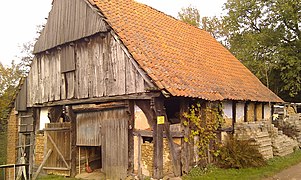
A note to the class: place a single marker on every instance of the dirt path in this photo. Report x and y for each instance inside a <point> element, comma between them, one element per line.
<point>292,173</point>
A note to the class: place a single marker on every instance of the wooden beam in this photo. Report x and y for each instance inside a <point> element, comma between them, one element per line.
<point>158,143</point>
<point>55,113</point>
<point>145,106</point>
<point>138,96</point>
<point>98,107</point>
<point>233,114</point>
<point>57,129</point>
<point>161,111</point>
<point>12,165</point>
<point>131,124</point>
<point>73,156</point>
<point>139,157</point>
<point>246,111</point>
<point>42,164</point>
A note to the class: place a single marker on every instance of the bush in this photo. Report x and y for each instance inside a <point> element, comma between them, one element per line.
<point>239,154</point>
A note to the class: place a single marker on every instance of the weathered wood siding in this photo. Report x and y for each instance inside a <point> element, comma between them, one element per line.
<point>88,128</point>
<point>20,102</point>
<point>68,21</point>
<point>102,69</point>
<point>114,132</point>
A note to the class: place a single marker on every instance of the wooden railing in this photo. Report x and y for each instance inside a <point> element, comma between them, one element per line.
<point>11,166</point>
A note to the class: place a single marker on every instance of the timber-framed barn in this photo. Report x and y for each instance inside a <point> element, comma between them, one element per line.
<point>99,64</point>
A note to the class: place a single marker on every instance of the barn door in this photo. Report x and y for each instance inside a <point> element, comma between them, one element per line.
<point>58,140</point>
<point>114,132</point>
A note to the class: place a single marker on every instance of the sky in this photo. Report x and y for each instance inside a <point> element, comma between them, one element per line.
<point>19,19</point>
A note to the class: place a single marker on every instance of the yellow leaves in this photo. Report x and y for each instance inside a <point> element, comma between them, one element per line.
<point>203,122</point>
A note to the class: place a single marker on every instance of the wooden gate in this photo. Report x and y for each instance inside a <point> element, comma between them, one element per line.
<point>114,132</point>
<point>58,143</point>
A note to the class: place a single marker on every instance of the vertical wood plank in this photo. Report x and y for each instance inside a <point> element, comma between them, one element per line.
<point>57,77</point>
<point>130,77</point>
<point>100,73</point>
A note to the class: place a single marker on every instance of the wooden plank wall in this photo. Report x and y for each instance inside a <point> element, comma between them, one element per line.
<point>68,21</point>
<point>114,134</point>
<point>102,69</point>
<point>20,102</point>
<point>55,164</point>
<point>88,128</point>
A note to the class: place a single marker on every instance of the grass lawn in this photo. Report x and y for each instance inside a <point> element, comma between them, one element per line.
<point>274,166</point>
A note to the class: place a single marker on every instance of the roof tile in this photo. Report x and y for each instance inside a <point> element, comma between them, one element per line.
<point>181,58</point>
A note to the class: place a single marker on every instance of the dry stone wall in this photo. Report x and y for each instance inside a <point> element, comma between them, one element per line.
<point>270,141</point>
<point>291,126</point>
<point>147,158</point>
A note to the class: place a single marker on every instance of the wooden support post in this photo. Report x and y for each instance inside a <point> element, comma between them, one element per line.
<point>161,111</point>
<point>262,112</point>
<point>246,111</point>
<point>158,144</point>
<point>233,114</point>
<point>186,155</point>
<point>72,117</point>
<point>255,112</point>
<point>139,157</point>
<point>131,125</point>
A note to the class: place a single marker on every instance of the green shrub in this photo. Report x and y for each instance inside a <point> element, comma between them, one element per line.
<point>239,154</point>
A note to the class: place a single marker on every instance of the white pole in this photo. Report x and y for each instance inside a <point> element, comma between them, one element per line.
<point>78,159</point>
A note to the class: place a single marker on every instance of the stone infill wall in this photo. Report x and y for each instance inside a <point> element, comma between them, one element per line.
<point>291,126</point>
<point>271,142</point>
<point>12,139</point>
<point>147,158</point>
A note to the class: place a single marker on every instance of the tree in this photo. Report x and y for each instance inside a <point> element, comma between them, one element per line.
<point>213,25</point>
<point>9,81</point>
<point>190,15</point>
<point>26,57</point>
<point>265,36</point>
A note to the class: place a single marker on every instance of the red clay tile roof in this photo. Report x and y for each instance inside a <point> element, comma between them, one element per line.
<point>181,58</point>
